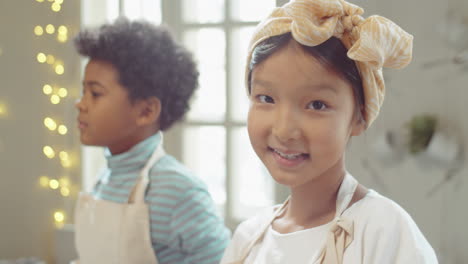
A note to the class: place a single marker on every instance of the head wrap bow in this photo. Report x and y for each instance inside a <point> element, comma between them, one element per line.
<point>372,43</point>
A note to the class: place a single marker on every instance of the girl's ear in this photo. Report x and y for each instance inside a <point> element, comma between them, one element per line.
<point>359,124</point>
<point>358,128</point>
<point>149,110</point>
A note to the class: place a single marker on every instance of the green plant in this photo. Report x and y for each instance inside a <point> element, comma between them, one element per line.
<point>421,128</point>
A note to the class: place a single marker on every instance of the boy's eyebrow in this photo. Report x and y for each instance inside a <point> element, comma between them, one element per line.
<point>93,83</point>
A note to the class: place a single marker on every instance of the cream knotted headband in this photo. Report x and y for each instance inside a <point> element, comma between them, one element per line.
<point>372,43</point>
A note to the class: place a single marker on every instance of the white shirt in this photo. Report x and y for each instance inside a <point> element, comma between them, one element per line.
<point>295,247</point>
<point>384,233</point>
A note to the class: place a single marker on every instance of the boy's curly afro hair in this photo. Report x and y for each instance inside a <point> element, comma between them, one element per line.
<point>149,63</point>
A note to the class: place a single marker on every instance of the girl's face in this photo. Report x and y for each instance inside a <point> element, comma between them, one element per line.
<point>301,117</point>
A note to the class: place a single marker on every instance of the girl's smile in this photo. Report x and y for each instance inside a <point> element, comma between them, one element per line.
<point>288,159</point>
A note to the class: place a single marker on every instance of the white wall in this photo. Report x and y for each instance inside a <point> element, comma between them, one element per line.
<point>26,210</point>
<point>415,90</point>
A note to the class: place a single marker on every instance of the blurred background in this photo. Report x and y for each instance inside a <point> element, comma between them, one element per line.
<point>414,153</point>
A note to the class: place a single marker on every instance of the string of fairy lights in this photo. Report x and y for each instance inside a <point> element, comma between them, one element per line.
<point>55,94</point>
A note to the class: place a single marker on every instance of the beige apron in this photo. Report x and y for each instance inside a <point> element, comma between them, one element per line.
<point>338,238</point>
<point>116,233</point>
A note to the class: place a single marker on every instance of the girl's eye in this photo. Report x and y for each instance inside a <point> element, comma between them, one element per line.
<point>265,99</point>
<point>317,105</point>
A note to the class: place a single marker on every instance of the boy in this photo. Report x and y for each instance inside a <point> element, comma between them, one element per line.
<point>146,207</point>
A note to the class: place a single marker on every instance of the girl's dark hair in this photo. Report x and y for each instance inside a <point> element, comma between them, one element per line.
<point>332,54</point>
<point>149,63</point>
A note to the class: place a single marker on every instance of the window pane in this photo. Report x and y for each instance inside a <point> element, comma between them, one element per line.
<point>252,185</point>
<point>238,94</point>
<point>208,46</point>
<point>149,10</point>
<point>203,11</point>
<point>248,10</point>
<point>204,153</point>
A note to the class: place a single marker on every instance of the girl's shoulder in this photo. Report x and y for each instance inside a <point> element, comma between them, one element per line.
<point>376,208</point>
<point>384,230</point>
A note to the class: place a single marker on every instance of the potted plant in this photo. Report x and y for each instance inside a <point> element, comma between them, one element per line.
<point>421,130</point>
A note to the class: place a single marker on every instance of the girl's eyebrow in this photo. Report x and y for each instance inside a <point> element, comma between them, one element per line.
<point>324,86</point>
<point>317,87</point>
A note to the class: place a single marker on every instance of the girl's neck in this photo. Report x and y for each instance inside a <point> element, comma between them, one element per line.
<point>314,203</point>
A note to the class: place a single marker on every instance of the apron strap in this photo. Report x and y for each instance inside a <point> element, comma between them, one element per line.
<point>138,192</point>
<point>263,230</point>
<point>341,233</point>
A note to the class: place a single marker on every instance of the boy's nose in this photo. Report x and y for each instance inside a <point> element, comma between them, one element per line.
<point>79,104</point>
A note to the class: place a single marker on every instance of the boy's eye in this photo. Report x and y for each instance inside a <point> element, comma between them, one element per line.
<point>317,105</point>
<point>94,94</point>
<point>265,99</point>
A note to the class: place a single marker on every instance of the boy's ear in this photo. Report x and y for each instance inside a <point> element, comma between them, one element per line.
<point>149,110</point>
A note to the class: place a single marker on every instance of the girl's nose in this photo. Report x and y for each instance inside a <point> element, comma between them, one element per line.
<point>286,127</point>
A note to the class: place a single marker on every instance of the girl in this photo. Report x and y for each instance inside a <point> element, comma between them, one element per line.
<point>314,80</point>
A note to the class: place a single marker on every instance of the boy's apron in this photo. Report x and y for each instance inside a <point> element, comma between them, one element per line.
<point>338,238</point>
<point>116,233</point>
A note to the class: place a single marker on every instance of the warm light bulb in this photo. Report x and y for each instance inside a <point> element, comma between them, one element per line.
<point>63,155</point>
<point>50,59</point>
<point>62,92</point>
<point>56,7</point>
<point>59,216</point>
<point>62,38</point>
<point>3,110</point>
<point>62,30</point>
<point>40,1</point>
<point>64,182</point>
<point>50,123</point>
<point>64,191</point>
<point>55,99</point>
<point>62,129</point>
<point>50,29</point>
<point>41,57</point>
<point>49,152</point>
<point>59,2</point>
<point>59,69</point>
<point>54,184</point>
<point>44,181</point>
<point>47,89</point>
<point>65,163</point>
<point>38,30</point>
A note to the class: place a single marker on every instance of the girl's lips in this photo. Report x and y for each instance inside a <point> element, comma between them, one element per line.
<point>289,163</point>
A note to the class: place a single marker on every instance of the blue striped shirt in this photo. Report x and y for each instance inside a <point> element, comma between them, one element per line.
<point>185,226</point>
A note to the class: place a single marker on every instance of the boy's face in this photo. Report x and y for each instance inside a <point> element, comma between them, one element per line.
<point>106,115</point>
<point>301,118</point>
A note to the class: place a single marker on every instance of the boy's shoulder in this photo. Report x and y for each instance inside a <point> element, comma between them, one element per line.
<point>170,172</point>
